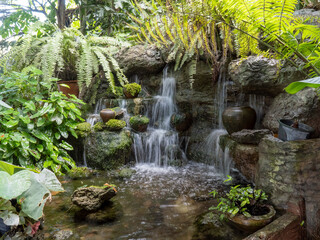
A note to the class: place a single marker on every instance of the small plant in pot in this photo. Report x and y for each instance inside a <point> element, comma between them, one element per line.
<point>131,90</point>
<point>245,208</point>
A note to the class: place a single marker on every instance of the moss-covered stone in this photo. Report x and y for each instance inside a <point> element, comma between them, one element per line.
<point>139,123</point>
<point>83,129</point>
<point>126,173</point>
<point>107,149</point>
<point>80,172</point>
<point>115,124</point>
<point>99,126</point>
<point>132,90</point>
<point>117,94</point>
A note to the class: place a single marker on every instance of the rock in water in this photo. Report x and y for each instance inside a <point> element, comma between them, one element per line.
<point>92,198</point>
<point>107,149</point>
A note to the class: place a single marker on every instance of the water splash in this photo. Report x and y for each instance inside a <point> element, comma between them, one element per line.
<point>160,145</point>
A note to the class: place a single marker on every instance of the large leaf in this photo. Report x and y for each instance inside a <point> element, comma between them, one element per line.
<point>295,87</point>
<point>3,104</point>
<point>10,218</point>
<point>12,186</point>
<point>10,168</point>
<point>49,180</point>
<point>33,200</point>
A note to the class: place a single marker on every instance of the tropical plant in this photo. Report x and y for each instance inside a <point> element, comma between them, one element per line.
<point>33,131</point>
<point>219,28</point>
<point>23,194</point>
<point>240,200</point>
<point>66,54</point>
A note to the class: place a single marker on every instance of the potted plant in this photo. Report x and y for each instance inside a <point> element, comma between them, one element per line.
<point>245,208</point>
<point>131,90</point>
<point>139,123</point>
<point>67,55</point>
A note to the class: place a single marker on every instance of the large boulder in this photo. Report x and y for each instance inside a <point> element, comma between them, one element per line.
<point>140,59</point>
<point>92,198</point>
<point>303,106</point>
<point>257,74</point>
<point>108,150</point>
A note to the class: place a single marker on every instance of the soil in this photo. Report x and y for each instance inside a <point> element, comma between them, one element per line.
<point>258,210</point>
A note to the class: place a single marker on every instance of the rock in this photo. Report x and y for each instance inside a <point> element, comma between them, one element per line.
<point>257,74</point>
<point>83,129</point>
<point>303,106</point>
<point>92,198</point>
<point>110,212</point>
<point>175,156</point>
<point>126,173</point>
<point>108,150</point>
<point>181,121</point>
<point>209,226</point>
<point>248,136</point>
<point>80,173</point>
<point>63,234</point>
<point>140,59</point>
<point>245,156</point>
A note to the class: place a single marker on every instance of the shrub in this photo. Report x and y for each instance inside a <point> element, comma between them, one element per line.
<point>115,124</point>
<point>33,131</point>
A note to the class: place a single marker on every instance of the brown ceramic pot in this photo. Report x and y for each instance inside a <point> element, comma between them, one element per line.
<point>181,122</point>
<point>252,223</point>
<point>237,118</point>
<point>127,94</point>
<point>73,87</point>
<point>107,114</point>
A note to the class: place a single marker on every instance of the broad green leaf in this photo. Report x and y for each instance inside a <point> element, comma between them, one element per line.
<point>58,118</point>
<point>46,108</point>
<point>41,135</point>
<point>295,87</point>
<point>30,105</point>
<point>12,186</point>
<point>3,104</point>
<point>10,168</point>
<point>11,123</point>
<point>6,205</point>
<point>66,146</point>
<point>25,119</point>
<point>49,180</point>
<point>40,122</point>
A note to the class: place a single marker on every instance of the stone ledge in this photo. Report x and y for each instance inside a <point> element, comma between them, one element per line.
<point>286,227</point>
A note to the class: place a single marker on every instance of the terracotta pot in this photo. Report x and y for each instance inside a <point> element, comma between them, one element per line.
<point>237,118</point>
<point>252,223</point>
<point>74,88</point>
<point>128,94</point>
<point>107,114</point>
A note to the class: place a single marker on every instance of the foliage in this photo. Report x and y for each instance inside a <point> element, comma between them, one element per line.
<point>219,28</point>
<point>33,131</point>
<point>240,200</point>
<point>118,92</point>
<point>80,172</point>
<point>139,120</point>
<point>23,193</point>
<point>83,129</point>
<point>67,54</point>
<point>133,88</point>
<point>115,124</point>
<point>295,87</point>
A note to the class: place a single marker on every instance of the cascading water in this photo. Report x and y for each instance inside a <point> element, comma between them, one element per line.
<point>257,102</point>
<point>219,158</point>
<point>95,116</point>
<point>160,144</point>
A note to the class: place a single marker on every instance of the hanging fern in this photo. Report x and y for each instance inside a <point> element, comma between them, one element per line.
<point>68,55</point>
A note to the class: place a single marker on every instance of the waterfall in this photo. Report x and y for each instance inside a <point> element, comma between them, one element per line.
<point>257,102</point>
<point>160,144</point>
<point>220,159</point>
<point>95,116</point>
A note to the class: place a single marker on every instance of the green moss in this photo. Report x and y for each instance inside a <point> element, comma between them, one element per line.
<point>115,124</point>
<point>99,126</point>
<point>139,120</point>
<point>133,88</point>
<point>117,94</point>
<point>83,129</point>
<point>80,172</point>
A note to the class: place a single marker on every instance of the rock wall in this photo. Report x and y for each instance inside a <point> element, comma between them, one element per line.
<point>290,170</point>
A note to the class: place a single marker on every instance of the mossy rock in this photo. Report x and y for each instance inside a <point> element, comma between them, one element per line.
<point>115,124</point>
<point>83,129</point>
<point>108,150</point>
<point>139,123</point>
<point>132,90</point>
<point>117,94</point>
<point>99,126</point>
<point>80,173</point>
<point>126,173</point>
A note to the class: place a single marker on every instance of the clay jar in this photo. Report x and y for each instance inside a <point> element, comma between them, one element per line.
<point>73,87</point>
<point>237,118</point>
<point>253,223</point>
<point>107,114</point>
